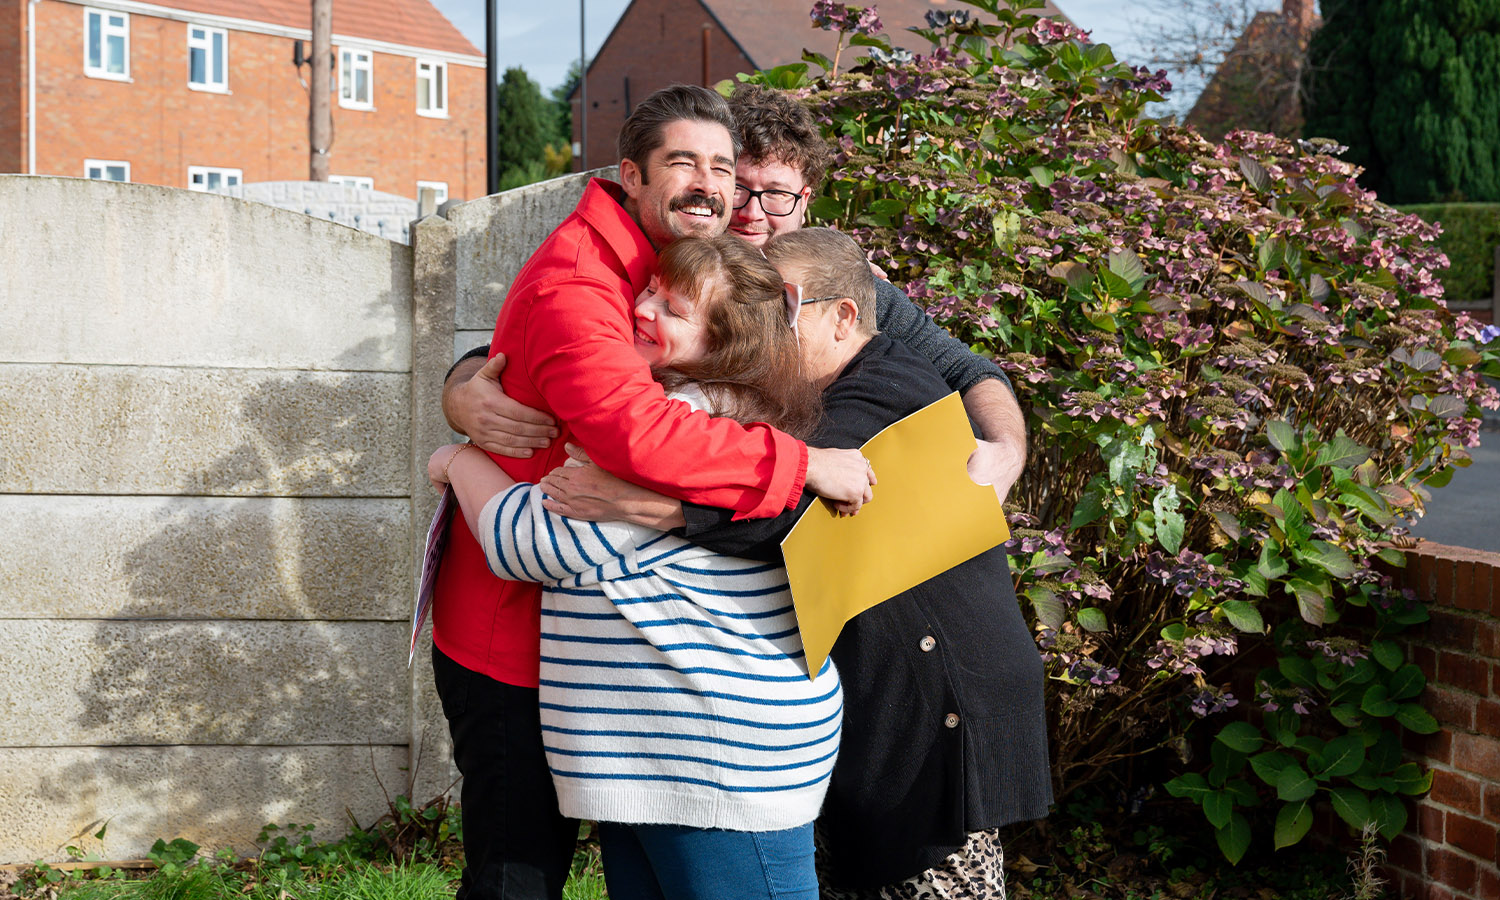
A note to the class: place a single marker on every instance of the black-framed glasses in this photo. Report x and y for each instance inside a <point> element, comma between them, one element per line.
<point>774,202</point>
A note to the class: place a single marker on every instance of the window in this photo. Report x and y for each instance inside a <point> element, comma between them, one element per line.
<point>208,58</point>
<point>354,181</point>
<point>356,79</point>
<point>106,39</point>
<point>216,180</point>
<point>106,170</point>
<point>441,187</point>
<point>432,88</point>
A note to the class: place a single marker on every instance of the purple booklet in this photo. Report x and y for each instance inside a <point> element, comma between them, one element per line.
<point>437,539</point>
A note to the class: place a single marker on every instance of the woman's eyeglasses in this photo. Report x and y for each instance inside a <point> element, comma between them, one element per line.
<point>774,202</point>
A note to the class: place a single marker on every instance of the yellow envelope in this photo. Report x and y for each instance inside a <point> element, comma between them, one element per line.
<point>928,516</point>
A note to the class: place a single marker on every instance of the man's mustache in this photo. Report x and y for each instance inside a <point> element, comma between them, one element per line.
<point>685,200</point>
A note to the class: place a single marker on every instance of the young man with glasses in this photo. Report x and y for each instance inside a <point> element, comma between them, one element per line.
<point>782,163</point>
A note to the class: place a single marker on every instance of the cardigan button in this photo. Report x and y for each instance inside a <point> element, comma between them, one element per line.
<point>927,643</point>
<point>951,720</point>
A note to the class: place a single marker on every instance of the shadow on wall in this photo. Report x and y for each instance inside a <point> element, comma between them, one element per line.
<point>256,672</point>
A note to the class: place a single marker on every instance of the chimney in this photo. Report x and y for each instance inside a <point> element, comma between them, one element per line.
<point>1299,14</point>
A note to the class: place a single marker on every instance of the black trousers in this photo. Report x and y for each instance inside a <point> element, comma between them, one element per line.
<point>517,846</point>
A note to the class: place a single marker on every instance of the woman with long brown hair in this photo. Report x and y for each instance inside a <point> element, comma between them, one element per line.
<point>677,708</point>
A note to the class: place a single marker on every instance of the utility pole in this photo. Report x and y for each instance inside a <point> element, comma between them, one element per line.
<point>491,102</point>
<point>320,113</point>
<point>583,96</point>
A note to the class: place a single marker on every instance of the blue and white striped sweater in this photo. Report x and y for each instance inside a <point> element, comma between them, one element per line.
<point>674,689</point>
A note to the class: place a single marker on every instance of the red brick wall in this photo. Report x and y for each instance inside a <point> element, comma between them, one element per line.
<point>1449,850</point>
<point>654,45</point>
<point>160,126</point>
<point>12,85</point>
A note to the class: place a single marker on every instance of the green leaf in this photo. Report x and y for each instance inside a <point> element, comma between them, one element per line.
<point>1241,737</point>
<point>1090,505</point>
<point>1389,814</point>
<point>1092,619</point>
<point>1255,174</point>
<point>1115,286</point>
<point>1271,565</point>
<point>1297,670</point>
<point>1410,779</point>
<point>1127,265</point>
<point>888,206</point>
<point>1414,718</point>
<point>1049,609</point>
<point>1406,682</point>
<point>1269,765</point>
<point>1282,436</point>
<point>826,209</point>
<point>1293,783</point>
<point>1331,559</point>
<point>1292,823</point>
<point>1387,653</point>
<point>1190,785</point>
<point>1169,522</point>
<point>1346,714</point>
<point>1312,602</point>
<point>1043,176</point>
<point>1243,616</point>
<point>1343,451</point>
<point>1342,756</point>
<point>1234,838</point>
<point>1218,806</point>
<point>1376,701</point>
<point>1352,805</point>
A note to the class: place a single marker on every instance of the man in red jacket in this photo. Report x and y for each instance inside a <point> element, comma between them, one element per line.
<point>566,331</point>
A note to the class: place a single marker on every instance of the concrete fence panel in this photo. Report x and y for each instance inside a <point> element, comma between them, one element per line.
<point>493,238</point>
<point>206,476</point>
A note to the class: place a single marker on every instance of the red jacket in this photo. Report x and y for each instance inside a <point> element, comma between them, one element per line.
<point>566,330</point>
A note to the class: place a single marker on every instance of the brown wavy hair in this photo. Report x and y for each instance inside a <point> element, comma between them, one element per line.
<point>775,127</point>
<point>753,369</point>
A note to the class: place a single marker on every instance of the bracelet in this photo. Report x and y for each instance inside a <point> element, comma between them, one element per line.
<point>449,464</point>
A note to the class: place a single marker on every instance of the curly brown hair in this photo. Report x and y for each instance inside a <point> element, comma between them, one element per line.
<point>776,127</point>
<point>753,369</point>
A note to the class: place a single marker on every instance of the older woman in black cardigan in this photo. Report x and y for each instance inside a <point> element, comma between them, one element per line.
<point>945,735</point>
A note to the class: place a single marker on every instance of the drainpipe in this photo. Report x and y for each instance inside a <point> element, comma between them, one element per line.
<point>31,86</point>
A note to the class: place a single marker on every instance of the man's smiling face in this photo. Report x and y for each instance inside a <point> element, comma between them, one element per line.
<point>751,221</point>
<point>686,184</point>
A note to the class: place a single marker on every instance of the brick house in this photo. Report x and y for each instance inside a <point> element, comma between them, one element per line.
<point>660,42</point>
<point>203,94</point>
<point>1258,85</point>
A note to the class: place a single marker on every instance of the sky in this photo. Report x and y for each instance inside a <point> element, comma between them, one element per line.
<point>542,38</point>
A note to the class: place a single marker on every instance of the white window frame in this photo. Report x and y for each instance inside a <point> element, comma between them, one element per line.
<point>206,45</point>
<point>106,31</point>
<point>436,73</point>
<point>353,60</point>
<point>224,174</point>
<point>440,186</point>
<point>103,165</point>
<point>354,181</point>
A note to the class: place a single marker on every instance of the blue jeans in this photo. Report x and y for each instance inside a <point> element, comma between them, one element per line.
<point>674,862</point>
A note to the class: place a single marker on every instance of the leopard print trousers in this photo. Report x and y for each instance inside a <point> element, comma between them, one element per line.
<point>974,872</point>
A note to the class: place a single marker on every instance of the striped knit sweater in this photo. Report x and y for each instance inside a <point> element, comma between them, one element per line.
<point>674,689</point>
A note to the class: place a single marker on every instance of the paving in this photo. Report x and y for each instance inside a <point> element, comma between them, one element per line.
<point>1466,512</point>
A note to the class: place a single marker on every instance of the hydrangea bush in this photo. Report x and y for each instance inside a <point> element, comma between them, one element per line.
<point>1240,381</point>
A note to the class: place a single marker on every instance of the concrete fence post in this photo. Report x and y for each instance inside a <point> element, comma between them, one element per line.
<point>434,289</point>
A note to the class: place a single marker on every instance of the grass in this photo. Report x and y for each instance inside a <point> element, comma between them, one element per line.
<point>1085,851</point>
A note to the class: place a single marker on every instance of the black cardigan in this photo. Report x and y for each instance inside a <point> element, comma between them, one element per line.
<point>945,732</point>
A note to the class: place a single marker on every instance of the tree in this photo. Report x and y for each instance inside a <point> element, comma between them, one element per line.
<point>1412,87</point>
<point>524,123</point>
<point>1247,58</point>
<point>563,104</point>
